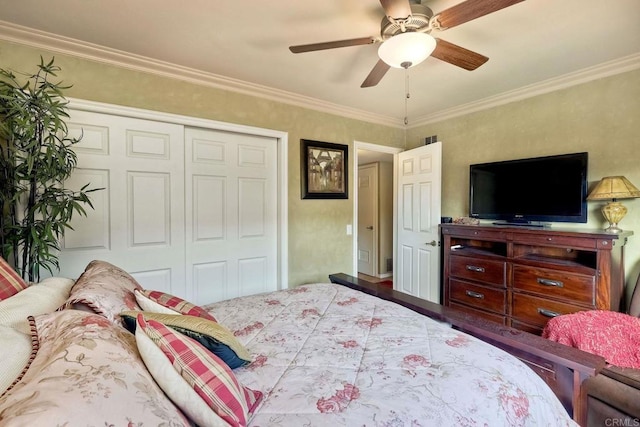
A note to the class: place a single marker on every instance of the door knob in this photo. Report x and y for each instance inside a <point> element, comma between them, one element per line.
<point>432,243</point>
<point>370,227</point>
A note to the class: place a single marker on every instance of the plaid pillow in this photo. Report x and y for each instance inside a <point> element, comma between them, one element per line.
<point>174,303</point>
<point>10,282</point>
<point>209,376</point>
<point>212,335</point>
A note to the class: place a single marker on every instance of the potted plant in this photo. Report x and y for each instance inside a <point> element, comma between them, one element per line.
<point>36,157</point>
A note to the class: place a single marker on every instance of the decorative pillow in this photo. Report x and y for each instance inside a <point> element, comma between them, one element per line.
<point>213,336</point>
<point>14,361</point>
<point>44,297</point>
<point>87,370</point>
<point>209,376</point>
<point>10,282</point>
<point>106,289</point>
<point>173,303</point>
<point>174,386</point>
<point>150,305</point>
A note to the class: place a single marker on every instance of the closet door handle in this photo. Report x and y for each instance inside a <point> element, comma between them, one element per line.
<point>548,313</point>
<point>474,268</point>
<point>548,282</point>
<point>473,294</point>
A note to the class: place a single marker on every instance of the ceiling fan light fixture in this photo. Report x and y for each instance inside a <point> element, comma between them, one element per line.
<point>406,50</point>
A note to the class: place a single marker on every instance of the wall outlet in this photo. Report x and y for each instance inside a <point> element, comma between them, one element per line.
<point>349,229</point>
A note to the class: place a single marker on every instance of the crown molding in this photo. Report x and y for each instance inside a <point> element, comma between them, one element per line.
<point>68,46</point>
<point>621,65</point>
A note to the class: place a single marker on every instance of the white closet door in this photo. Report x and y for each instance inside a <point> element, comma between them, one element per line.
<point>231,214</point>
<point>138,221</point>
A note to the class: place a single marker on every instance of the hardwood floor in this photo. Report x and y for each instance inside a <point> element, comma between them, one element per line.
<point>369,278</point>
<point>388,281</point>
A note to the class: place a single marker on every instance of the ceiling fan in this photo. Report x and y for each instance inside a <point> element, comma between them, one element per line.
<point>405,34</point>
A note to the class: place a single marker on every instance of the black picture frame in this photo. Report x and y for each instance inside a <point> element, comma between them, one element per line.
<point>325,170</point>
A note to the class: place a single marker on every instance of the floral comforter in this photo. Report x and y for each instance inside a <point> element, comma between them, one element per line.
<point>327,355</point>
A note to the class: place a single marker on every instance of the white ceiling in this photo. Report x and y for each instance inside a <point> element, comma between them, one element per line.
<point>529,44</point>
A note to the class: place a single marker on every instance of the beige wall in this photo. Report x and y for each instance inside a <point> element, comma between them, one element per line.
<point>601,117</point>
<point>318,243</point>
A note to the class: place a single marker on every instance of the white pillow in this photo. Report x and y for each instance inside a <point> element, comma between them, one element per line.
<point>41,298</point>
<point>147,304</point>
<point>16,351</point>
<point>170,381</point>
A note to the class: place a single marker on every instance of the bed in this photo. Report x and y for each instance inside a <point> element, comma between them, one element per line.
<point>326,355</point>
<point>320,354</point>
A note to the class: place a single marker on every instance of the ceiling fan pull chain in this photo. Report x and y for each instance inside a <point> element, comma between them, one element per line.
<point>406,96</point>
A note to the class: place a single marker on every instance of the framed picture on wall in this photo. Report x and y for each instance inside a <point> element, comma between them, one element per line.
<point>324,170</point>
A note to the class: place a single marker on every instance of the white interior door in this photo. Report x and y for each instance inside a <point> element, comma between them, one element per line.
<point>138,221</point>
<point>231,221</point>
<point>368,219</point>
<point>419,196</point>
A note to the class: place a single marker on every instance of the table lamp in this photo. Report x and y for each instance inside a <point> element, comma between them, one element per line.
<point>613,188</point>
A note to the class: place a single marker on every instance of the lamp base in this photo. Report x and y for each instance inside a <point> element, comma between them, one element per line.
<point>613,213</point>
<point>613,228</point>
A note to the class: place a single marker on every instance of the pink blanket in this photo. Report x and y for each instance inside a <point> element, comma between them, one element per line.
<point>612,335</point>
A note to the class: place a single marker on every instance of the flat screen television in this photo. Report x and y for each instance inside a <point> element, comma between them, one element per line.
<point>530,191</point>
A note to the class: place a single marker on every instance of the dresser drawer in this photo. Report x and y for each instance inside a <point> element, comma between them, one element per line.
<point>556,284</point>
<point>482,270</point>
<point>545,239</point>
<point>535,330</point>
<point>484,314</point>
<point>537,311</point>
<point>479,233</point>
<point>483,297</point>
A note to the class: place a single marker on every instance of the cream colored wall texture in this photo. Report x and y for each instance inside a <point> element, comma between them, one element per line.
<point>318,243</point>
<point>601,117</point>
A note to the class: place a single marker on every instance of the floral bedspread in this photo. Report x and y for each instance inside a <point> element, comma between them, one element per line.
<point>327,355</point>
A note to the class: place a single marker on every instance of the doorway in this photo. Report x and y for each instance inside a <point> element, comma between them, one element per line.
<point>416,199</point>
<point>374,208</point>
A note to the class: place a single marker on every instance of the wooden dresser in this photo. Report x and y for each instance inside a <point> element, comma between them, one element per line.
<point>523,276</point>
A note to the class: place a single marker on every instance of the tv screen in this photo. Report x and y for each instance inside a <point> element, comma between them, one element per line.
<point>540,189</point>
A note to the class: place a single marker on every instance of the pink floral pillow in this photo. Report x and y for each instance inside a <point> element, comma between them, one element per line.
<point>106,289</point>
<point>204,372</point>
<point>86,370</point>
<point>147,299</point>
<point>10,282</point>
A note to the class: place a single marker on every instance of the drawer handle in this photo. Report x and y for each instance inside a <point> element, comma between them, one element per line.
<point>548,282</point>
<point>548,313</point>
<point>474,268</point>
<point>473,294</point>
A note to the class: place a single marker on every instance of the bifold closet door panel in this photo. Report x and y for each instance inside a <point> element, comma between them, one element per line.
<point>231,199</point>
<point>138,218</point>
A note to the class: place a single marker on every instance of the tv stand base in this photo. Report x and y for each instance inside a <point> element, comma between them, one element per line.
<point>522,224</point>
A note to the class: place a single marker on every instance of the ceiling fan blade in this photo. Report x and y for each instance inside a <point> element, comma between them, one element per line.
<point>396,9</point>
<point>331,45</point>
<point>378,72</point>
<point>457,55</point>
<point>469,10</point>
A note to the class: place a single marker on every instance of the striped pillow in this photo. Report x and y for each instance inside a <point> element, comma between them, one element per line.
<point>10,282</point>
<point>212,335</point>
<point>172,303</point>
<point>207,374</point>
